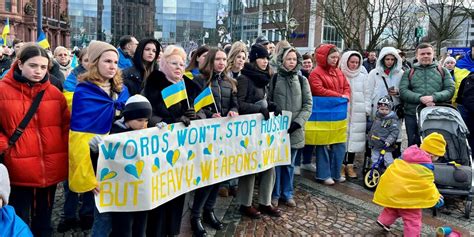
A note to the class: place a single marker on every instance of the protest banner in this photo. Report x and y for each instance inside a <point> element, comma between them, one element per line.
<point>143,169</point>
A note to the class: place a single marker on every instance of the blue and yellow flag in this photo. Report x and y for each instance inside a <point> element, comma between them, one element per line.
<point>205,98</point>
<point>93,112</point>
<point>42,40</point>
<point>174,94</point>
<point>328,121</point>
<point>6,31</point>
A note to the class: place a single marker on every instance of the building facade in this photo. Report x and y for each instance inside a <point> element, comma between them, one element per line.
<point>22,17</point>
<point>133,17</point>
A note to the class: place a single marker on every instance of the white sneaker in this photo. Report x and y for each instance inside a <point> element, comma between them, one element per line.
<point>328,182</point>
<point>341,180</point>
<point>297,170</point>
<point>309,167</point>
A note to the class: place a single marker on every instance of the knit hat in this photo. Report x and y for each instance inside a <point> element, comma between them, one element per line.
<point>258,51</point>
<point>97,48</point>
<point>137,107</point>
<point>434,144</point>
<point>449,59</point>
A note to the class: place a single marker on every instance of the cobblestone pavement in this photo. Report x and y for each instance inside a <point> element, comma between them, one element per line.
<point>341,210</point>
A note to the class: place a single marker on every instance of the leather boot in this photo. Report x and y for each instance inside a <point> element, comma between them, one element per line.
<point>343,171</point>
<point>210,218</point>
<point>350,171</point>
<point>197,227</point>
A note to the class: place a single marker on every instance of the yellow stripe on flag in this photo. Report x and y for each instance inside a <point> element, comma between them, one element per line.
<point>81,173</point>
<point>175,98</point>
<point>325,133</point>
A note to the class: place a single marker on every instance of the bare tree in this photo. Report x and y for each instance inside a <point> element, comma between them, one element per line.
<point>290,9</point>
<point>354,18</point>
<point>403,25</point>
<point>446,17</point>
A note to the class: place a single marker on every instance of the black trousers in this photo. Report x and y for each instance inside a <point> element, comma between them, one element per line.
<point>166,219</point>
<point>129,224</point>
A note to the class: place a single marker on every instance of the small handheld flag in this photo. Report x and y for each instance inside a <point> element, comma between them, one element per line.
<point>205,98</point>
<point>6,31</point>
<point>174,94</point>
<point>42,40</point>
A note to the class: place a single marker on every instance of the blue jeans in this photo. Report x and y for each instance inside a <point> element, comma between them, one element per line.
<point>306,157</point>
<point>412,130</point>
<point>102,224</point>
<point>71,200</point>
<point>329,161</point>
<point>284,179</point>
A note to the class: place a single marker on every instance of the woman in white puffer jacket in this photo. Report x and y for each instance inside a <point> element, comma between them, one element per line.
<point>359,107</point>
<point>388,68</point>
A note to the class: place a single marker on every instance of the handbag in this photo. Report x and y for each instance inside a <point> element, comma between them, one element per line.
<point>24,122</point>
<point>398,109</point>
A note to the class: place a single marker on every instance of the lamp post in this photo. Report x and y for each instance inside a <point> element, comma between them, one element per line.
<point>39,17</point>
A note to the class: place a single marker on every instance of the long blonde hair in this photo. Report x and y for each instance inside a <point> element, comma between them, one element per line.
<point>92,75</point>
<point>237,47</point>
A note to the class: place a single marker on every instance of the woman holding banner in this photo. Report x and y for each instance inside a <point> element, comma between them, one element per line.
<point>166,219</point>
<point>331,91</point>
<point>98,99</point>
<point>224,91</point>
<point>252,97</point>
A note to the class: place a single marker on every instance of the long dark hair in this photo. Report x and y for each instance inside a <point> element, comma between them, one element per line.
<point>193,62</point>
<point>207,70</point>
<point>144,67</point>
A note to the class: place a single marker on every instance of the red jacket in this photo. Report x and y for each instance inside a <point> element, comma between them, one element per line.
<point>326,80</point>
<point>40,157</point>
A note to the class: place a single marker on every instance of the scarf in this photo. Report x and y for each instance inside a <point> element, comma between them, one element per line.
<point>259,77</point>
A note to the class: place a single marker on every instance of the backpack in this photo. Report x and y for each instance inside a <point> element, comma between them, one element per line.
<point>412,71</point>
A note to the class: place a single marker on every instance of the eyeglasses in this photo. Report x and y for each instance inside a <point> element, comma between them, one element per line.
<point>62,55</point>
<point>177,64</point>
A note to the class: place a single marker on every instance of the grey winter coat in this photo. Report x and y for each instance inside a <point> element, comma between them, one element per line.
<point>386,128</point>
<point>292,92</point>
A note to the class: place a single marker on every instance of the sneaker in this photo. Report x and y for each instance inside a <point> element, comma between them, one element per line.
<point>290,202</point>
<point>386,228</point>
<point>341,180</point>
<point>297,170</point>
<point>309,167</point>
<point>275,202</point>
<point>328,182</point>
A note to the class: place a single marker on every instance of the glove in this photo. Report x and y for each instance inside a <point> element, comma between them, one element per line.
<point>293,127</point>
<point>440,202</point>
<point>94,143</point>
<point>387,144</point>
<point>191,114</point>
<point>184,119</point>
<point>161,125</point>
<point>265,113</point>
<point>275,108</point>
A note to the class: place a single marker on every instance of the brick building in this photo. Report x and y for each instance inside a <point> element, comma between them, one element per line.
<point>22,16</point>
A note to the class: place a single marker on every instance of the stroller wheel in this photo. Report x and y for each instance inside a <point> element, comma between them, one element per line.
<point>371,181</point>
<point>467,211</point>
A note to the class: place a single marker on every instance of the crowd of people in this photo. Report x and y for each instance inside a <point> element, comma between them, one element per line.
<point>77,99</point>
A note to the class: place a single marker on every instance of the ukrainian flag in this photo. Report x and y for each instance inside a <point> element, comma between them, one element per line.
<point>174,94</point>
<point>205,98</point>
<point>6,31</point>
<point>42,40</point>
<point>328,122</point>
<point>93,112</point>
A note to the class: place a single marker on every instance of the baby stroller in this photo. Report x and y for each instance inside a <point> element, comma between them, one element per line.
<point>453,172</point>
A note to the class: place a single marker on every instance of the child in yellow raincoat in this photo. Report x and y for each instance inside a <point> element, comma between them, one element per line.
<point>407,186</point>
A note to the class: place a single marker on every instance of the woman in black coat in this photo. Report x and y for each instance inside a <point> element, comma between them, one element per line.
<point>144,63</point>
<point>224,90</point>
<point>166,219</point>
<point>252,98</point>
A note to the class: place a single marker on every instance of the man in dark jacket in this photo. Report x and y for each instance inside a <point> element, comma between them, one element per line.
<point>371,61</point>
<point>425,85</point>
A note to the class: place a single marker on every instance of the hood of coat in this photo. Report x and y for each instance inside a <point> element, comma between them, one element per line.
<point>384,52</point>
<point>345,69</point>
<point>321,54</point>
<point>18,82</point>
<point>415,155</point>
<point>280,58</point>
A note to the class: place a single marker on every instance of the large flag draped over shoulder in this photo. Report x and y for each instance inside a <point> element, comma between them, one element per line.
<point>408,186</point>
<point>92,114</point>
<point>6,31</point>
<point>328,121</point>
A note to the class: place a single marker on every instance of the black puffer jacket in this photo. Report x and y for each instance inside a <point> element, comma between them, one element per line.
<point>5,64</point>
<point>252,89</point>
<point>466,93</point>
<point>225,98</point>
<point>152,91</point>
<point>133,80</point>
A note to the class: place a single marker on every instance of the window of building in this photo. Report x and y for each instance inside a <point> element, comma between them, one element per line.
<point>330,35</point>
<point>8,5</point>
<point>265,17</point>
<point>18,6</point>
<point>472,25</point>
<point>472,33</point>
